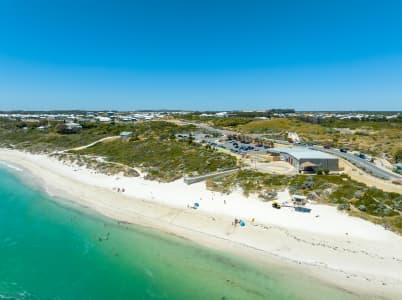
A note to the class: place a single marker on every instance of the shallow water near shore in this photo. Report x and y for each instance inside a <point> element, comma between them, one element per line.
<point>50,249</point>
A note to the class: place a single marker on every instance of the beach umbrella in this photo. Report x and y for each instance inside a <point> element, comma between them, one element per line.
<point>242,224</point>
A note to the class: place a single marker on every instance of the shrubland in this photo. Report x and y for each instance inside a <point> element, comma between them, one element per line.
<point>339,190</point>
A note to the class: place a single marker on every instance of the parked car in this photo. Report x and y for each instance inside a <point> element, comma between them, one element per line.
<point>362,155</point>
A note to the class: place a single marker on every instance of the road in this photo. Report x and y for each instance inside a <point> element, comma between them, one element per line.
<point>359,162</point>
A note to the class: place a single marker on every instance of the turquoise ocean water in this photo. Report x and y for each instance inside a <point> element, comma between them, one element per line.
<point>50,249</point>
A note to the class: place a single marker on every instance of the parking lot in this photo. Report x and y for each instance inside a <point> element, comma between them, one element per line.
<point>234,146</point>
<point>358,161</point>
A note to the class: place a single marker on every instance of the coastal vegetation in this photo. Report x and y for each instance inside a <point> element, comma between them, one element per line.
<point>338,190</point>
<point>370,137</point>
<point>98,164</point>
<point>232,121</point>
<point>373,137</point>
<point>164,159</point>
<point>152,147</point>
<point>47,136</point>
<point>42,137</point>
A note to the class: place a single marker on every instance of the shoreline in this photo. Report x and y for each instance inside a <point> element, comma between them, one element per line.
<point>366,261</point>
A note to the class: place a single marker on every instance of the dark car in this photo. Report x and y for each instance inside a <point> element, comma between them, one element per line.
<point>343,150</point>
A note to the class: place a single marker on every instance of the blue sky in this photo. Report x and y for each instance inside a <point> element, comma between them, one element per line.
<point>205,55</point>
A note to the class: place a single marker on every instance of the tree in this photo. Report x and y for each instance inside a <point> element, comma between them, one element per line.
<point>362,207</point>
<point>43,122</point>
<point>61,128</point>
<point>190,139</point>
<point>21,125</point>
<point>398,155</point>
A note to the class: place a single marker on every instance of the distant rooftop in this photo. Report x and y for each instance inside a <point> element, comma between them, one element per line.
<point>303,153</point>
<point>126,133</point>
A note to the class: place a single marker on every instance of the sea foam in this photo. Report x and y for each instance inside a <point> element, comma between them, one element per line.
<point>10,166</point>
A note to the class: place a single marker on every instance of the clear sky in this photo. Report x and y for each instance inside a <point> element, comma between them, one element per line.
<point>205,55</point>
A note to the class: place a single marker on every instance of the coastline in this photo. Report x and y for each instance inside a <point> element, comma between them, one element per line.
<point>367,260</point>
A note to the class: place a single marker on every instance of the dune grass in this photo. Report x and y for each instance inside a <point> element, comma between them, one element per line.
<point>164,160</point>
<point>370,137</point>
<point>339,190</point>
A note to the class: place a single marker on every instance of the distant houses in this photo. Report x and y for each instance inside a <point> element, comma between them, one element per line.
<point>221,114</point>
<point>125,135</point>
<point>132,116</point>
<point>103,119</point>
<point>73,126</point>
<point>125,119</point>
<point>70,127</point>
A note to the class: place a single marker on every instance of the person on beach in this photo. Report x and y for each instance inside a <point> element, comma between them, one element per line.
<point>236,221</point>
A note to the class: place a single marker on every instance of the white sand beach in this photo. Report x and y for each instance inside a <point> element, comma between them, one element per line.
<point>331,246</point>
